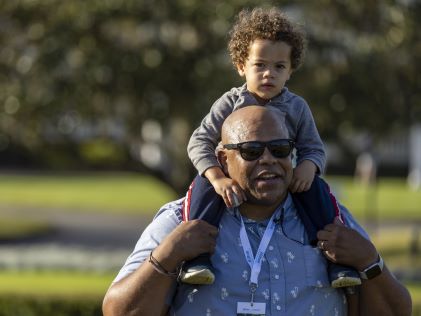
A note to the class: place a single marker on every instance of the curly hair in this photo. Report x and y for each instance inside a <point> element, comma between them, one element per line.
<point>271,24</point>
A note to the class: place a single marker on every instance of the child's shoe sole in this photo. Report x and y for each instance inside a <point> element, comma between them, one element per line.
<point>197,275</point>
<point>345,282</point>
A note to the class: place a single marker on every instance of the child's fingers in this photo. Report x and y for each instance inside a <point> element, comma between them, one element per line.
<point>300,186</point>
<point>238,196</point>
<point>235,200</point>
<point>227,199</point>
<point>244,196</point>
<point>293,186</point>
<point>240,193</point>
<point>230,198</point>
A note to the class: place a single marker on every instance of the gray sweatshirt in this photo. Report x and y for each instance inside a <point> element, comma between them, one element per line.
<point>298,118</point>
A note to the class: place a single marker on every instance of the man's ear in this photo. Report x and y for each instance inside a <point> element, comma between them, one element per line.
<point>222,158</point>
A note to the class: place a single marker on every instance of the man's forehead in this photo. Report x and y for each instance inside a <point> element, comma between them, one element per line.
<point>254,123</point>
<point>248,131</point>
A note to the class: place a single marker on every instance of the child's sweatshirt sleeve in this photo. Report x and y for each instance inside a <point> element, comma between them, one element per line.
<point>203,142</point>
<point>307,141</point>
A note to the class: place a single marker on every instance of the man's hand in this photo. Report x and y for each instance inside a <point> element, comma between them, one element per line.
<point>303,176</point>
<point>382,295</point>
<point>144,291</point>
<point>344,245</point>
<point>186,241</point>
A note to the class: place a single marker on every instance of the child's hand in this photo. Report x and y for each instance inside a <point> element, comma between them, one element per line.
<point>230,191</point>
<point>303,176</point>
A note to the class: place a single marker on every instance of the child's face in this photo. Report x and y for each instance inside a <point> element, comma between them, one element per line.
<point>267,68</point>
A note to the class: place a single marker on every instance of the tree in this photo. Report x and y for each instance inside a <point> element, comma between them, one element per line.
<point>79,79</point>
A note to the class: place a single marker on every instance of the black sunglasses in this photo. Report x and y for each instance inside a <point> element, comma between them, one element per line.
<point>279,148</point>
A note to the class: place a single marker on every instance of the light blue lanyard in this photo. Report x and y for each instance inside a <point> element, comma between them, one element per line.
<point>255,263</point>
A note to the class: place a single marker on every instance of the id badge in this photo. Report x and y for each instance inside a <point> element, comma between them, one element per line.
<point>246,309</point>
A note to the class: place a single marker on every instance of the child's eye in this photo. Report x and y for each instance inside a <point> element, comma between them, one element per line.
<point>280,66</point>
<point>259,65</point>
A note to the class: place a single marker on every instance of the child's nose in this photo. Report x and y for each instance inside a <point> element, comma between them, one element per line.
<point>268,72</point>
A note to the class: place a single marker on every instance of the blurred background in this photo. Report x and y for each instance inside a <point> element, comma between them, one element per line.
<point>98,100</point>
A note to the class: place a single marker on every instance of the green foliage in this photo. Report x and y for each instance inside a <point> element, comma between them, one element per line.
<point>102,152</point>
<point>100,69</point>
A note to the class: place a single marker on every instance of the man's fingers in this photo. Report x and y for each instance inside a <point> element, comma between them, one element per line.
<point>323,235</point>
<point>330,227</point>
<point>322,245</point>
<point>213,233</point>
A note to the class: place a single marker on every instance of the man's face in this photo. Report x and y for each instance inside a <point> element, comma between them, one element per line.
<point>267,68</point>
<point>266,179</point>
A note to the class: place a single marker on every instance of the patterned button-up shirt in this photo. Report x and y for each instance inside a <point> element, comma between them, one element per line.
<point>293,278</point>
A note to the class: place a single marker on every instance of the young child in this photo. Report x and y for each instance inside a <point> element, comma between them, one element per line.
<point>265,47</point>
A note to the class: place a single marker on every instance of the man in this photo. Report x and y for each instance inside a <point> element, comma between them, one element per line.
<point>262,260</point>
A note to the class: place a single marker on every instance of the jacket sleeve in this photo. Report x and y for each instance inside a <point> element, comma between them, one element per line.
<point>203,142</point>
<point>308,142</point>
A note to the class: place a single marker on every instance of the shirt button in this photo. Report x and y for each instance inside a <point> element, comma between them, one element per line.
<point>270,247</point>
<point>277,276</point>
<point>278,307</point>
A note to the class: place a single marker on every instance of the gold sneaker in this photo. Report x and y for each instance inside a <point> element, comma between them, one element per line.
<point>197,275</point>
<point>345,281</point>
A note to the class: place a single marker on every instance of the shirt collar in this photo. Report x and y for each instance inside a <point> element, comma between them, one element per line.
<point>287,205</point>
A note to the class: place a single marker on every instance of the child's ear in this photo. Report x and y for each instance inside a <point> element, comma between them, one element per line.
<point>240,69</point>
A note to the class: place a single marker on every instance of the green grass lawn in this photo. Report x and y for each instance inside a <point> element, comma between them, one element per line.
<point>391,199</point>
<point>76,286</point>
<point>134,193</point>
<point>13,228</point>
<point>56,284</point>
<point>102,192</point>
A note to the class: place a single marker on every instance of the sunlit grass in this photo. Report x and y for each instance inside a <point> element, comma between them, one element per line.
<point>12,228</point>
<point>394,244</point>
<point>415,290</point>
<point>70,285</point>
<point>133,193</point>
<point>78,285</point>
<point>391,199</point>
<point>125,193</point>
